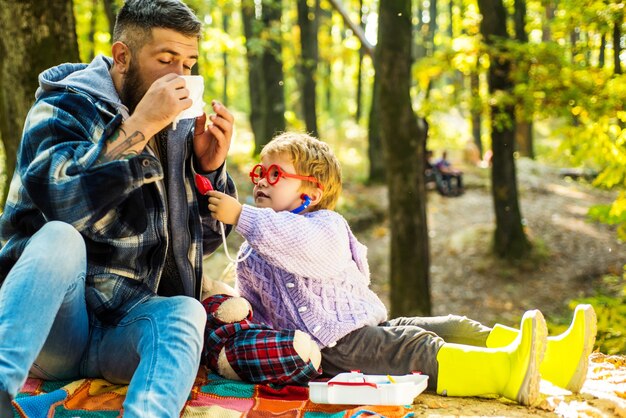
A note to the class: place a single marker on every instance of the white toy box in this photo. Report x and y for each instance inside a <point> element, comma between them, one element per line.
<point>356,388</point>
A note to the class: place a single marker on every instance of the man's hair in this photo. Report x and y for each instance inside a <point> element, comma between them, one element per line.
<point>137,18</point>
<point>310,157</point>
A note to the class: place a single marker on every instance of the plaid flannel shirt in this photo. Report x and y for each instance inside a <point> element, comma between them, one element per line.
<point>119,207</point>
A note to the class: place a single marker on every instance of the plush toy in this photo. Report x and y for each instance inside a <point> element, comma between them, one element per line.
<point>238,348</point>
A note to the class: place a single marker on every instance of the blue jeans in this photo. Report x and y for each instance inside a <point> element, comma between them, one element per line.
<point>45,329</point>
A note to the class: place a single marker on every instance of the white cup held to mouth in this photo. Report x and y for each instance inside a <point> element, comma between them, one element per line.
<point>195,85</point>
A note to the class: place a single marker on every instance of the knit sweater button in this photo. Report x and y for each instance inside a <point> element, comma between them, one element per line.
<point>317,328</point>
<point>290,285</point>
<point>303,309</point>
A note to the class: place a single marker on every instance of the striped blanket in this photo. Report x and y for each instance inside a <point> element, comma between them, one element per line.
<point>211,396</point>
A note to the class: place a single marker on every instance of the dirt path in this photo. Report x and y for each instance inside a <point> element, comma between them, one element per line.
<point>603,395</point>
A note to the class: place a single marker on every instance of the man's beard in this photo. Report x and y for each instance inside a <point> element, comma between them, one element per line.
<point>133,88</point>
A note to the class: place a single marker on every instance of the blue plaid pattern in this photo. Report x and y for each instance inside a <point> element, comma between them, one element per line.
<point>119,207</point>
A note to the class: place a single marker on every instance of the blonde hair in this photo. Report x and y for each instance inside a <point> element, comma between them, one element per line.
<point>310,157</point>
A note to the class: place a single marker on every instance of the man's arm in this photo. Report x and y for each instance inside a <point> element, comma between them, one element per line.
<point>122,145</point>
<point>163,101</point>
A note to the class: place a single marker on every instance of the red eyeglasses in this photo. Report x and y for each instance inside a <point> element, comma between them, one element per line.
<point>274,173</point>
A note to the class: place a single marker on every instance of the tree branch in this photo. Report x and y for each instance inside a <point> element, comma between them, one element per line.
<point>357,29</point>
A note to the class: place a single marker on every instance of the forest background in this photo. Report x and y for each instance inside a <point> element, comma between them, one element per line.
<point>381,81</point>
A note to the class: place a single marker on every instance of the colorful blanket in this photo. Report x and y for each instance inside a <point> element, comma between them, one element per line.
<point>211,396</point>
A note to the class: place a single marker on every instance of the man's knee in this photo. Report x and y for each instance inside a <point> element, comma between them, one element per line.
<point>63,241</point>
<point>55,255</point>
<point>187,313</point>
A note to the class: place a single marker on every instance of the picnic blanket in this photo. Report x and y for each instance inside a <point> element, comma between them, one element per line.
<point>211,396</point>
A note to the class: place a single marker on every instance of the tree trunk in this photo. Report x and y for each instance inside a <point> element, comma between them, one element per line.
<point>265,70</point>
<point>476,102</point>
<point>375,146</point>
<point>419,46</point>
<point>524,125</point>
<point>432,27</point>
<point>376,173</point>
<point>273,71</point>
<point>325,17</point>
<point>359,77</point>
<point>92,29</point>
<point>403,151</point>
<point>601,53</point>
<point>255,71</point>
<point>110,8</point>
<point>451,16</point>
<point>308,64</point>
<point>573,40</point>
<point>510,241</point>
<point>359,89</point>
<point>476,109</point>
<point>617,48</point>
<point>546,31</point>
<point>34,36</point>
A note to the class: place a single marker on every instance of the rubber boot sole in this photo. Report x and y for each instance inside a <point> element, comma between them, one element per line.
<point>529,389</point>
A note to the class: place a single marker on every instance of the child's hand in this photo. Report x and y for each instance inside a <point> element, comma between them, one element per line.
<point>224,208</point>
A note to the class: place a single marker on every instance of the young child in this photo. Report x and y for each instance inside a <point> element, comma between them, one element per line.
<point>307,271</point>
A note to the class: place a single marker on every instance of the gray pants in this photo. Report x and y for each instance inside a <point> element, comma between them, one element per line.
<point>402,345</point>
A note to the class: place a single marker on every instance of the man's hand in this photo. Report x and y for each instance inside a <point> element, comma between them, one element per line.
<point>163,101</point>
<point>211,142</point>
<point>224,208</point>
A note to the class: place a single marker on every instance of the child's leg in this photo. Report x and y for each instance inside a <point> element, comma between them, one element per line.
<point>452,328</point>
<point>567,355</point>
<point>511,371</point>
<point>384,349</point>
<point>397,347</point>
<point>401,345</point>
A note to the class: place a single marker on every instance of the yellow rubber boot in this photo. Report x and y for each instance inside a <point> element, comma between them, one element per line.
<point>567,355</point>
<point>511,371</point>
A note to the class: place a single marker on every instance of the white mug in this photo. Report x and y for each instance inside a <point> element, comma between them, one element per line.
<point>195,85</point>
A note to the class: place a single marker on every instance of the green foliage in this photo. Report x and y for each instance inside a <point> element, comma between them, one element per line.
<point>613,214</point>
<point>92,29</point>
<point>610,306</point>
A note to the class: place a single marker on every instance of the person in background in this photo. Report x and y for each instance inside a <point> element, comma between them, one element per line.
<point>448,174</point>
<point>103,233</point>
<point>306,270</point>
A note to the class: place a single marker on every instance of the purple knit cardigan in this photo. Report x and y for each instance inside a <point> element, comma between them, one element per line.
<point>306,272</point>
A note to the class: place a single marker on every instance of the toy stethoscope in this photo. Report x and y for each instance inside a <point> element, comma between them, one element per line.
<point>204,186</point>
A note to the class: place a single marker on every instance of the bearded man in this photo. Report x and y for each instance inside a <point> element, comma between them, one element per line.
<point>104,233</point>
